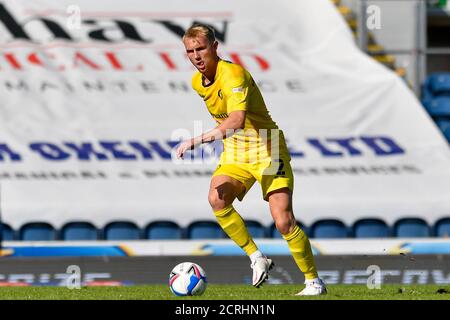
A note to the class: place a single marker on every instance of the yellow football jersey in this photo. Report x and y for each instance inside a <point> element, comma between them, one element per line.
<point>234,89</point>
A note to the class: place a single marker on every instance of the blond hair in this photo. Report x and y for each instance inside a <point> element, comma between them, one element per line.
<point>200,29</point>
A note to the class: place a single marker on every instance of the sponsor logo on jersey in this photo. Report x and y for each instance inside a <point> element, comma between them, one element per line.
<point>220,115</point>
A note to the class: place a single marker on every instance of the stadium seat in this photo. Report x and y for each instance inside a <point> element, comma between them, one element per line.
<point>7,233</point>
<point>436,84</point>
<point>370,228</point>
<point>439,83</point>
<point>163,230</point>
<point>438,106</point>
<point>37,231</point>
<point>442,228</point>
<point>79,231</point>
<point>205,229</point>
<point>122,230</point>
<point>411,228</point>
<point>255,228</point>
<point>274,233</point>
<point>329,228</point>
<point>436,94</point>
<point>444,126</point>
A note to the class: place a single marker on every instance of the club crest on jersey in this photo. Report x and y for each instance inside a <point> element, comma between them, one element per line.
<point>220,94</point>
<point>238,89</point>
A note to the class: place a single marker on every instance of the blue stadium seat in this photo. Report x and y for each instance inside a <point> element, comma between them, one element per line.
<point>163,230</point>
<point>438,106</point>
<point>444,126</point>
<point>370,228</point>
<point>411,228</point>
<point>122,230</point>
<point>274,233</point>
<point>329,228</point>
<point>205,229</point>
<point>7,233</point>
<point>37,231</point>
<point>427,95</point>
<point>255,228</point>
<point>79,230</point>
<point>442,228</point>
<point>436,84</point>
<point>439,83</point>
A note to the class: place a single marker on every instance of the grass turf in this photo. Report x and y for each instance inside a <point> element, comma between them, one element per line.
<point>228,292</point>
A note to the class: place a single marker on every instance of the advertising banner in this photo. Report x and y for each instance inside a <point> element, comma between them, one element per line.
<point>94,98</point>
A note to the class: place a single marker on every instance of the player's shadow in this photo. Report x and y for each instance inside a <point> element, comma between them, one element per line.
<point>227,192</point>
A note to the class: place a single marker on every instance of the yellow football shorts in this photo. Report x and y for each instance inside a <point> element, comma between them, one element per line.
<point>271,175</point>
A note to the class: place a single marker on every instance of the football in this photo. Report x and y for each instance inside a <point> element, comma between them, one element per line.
<point>187,279</point>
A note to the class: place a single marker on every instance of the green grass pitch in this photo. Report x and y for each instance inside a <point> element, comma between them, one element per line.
<point>228,292</point>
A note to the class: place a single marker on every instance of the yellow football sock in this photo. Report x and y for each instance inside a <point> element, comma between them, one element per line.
<point>233,225</point>
<point>300,247</point>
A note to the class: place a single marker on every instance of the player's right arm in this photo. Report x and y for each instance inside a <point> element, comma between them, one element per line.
<point>235,87</point>
<point>235,121</point>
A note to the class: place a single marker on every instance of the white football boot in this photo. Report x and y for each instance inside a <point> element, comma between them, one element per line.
<point>313,288</point>
<point>261,267</point>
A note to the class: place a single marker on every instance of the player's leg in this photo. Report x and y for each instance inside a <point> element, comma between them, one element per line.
<point>223,190</point>
<point>280,202</point>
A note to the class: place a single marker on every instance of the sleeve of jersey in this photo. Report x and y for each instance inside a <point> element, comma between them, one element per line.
<point>194,82</point>
<point>236,92</point>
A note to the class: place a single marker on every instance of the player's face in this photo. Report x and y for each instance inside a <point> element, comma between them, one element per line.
<point>202,53</point>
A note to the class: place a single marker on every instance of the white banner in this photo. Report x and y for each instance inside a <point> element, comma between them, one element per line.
<point>94,95</point>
